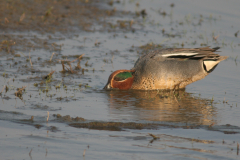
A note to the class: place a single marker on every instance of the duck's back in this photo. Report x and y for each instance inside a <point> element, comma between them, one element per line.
<point>174,68</point>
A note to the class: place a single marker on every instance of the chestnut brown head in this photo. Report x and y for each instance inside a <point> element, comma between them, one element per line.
<point>120,79</point>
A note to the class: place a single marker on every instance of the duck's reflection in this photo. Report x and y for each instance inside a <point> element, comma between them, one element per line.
<point>167,106</point>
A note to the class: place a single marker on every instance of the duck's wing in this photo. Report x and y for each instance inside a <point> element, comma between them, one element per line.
<point>204,53</point>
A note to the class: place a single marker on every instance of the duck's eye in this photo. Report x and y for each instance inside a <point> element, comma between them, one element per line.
<point>122,76</point>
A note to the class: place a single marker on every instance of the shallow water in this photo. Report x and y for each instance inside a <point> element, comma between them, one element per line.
<point>200,122</point>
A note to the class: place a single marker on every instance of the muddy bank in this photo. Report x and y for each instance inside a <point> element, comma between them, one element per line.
<point>46,22</point>
<point>50,16</point>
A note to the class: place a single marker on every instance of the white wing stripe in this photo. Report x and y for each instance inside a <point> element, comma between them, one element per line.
<point>179,54</point>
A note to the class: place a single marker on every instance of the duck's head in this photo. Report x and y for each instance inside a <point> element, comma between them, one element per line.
<point>120,79</point>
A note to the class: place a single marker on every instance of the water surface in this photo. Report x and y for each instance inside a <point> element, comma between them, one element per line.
<point>200,122</point>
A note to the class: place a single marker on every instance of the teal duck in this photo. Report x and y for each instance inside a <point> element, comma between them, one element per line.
<point>172,68</point>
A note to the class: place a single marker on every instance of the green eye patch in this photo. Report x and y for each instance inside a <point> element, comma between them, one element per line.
<point>122,76</point>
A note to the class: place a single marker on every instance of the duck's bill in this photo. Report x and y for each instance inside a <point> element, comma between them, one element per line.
<point>107,87</point>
